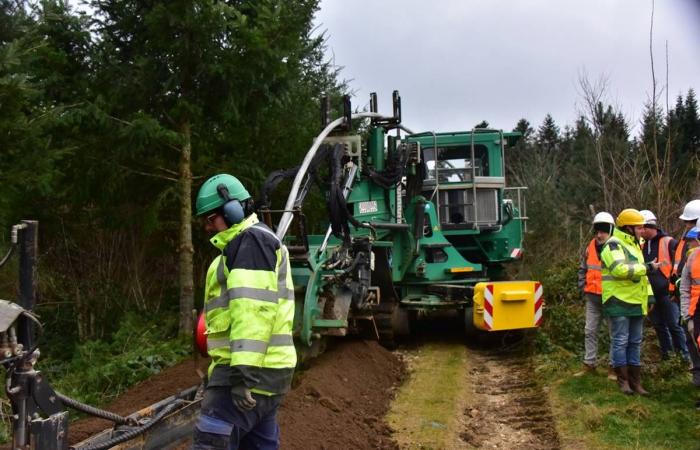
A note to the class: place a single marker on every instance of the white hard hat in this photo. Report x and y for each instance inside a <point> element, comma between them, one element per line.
<point>649,217</point>
<point>603,217</point>
<point>691,211</point>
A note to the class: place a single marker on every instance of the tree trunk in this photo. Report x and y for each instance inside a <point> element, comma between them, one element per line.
<point>186,250</point>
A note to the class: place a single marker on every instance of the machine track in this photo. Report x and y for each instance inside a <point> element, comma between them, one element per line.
<point>506,408</point>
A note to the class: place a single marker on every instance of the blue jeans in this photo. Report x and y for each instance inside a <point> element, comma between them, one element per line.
<point>626,340</point>
<point>664,318</point>
<point>222,426</point>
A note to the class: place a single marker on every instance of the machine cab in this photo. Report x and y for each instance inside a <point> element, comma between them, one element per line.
<point>464,176</point>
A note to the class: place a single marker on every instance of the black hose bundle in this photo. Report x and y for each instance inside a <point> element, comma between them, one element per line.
<point>339,214</point>
<point>395,169</point>
<point>337,206</point>
<point>130,434</point>
<point>275,178</point>
<point>91,410</point>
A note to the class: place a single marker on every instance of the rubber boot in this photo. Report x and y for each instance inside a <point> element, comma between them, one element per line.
<point>635,380</point>
<point>622,380</point>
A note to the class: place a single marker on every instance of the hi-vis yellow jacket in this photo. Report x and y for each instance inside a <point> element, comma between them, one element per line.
<point>626,288</point>
<point>249,310</point>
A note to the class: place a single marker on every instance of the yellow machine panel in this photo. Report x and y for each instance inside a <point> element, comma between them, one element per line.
<point>508,305</point>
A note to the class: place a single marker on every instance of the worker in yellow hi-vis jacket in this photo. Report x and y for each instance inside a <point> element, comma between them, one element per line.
<point>626,294</point>
<point>249,313</point>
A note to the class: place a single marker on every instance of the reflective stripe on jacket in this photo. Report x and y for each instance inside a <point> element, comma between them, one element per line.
<point>593,270</point>
<point>249,310</point>
<point>624,272</point>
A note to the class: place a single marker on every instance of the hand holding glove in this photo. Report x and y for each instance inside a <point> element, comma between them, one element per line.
<point>242,398</point>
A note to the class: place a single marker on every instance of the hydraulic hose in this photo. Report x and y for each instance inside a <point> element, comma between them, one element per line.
<point>286,219</point>
<point>91,410</point>
<point>128,435</point>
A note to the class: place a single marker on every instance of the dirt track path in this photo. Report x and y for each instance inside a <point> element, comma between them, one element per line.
<point>461,396</point>
<point>506,408</point>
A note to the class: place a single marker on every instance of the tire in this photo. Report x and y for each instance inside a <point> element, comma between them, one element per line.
<point>470,330</point>
<point>401,322</point>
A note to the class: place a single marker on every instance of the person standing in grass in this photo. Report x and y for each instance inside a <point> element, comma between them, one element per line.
<point>626,295</point>
<point>690,297</point>
<point>658,246</point>
<point>590,285</point>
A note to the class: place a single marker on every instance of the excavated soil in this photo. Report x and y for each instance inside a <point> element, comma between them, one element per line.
<point>507,409</point>
<point>337,403</point>
<point>167,383</point>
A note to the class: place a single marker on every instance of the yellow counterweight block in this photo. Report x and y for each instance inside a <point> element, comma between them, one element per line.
<point>507,305</point>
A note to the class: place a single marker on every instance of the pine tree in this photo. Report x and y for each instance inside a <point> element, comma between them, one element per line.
<point>652,136</point>
<point>691,121</point>
<point>523,127</point>
<point>196,80</point>
<point>28,162</point>
<point>548,134</point>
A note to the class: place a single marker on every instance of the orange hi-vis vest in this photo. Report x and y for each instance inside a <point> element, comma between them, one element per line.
<point>677,257</point>
<point>664,256</point>
<point>694,282</point>
<point>594,278</point>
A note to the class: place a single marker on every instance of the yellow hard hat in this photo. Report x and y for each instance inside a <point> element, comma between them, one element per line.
<point>629,217</point>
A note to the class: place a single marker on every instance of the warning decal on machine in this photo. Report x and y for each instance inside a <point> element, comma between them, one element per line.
<point>368,207</point>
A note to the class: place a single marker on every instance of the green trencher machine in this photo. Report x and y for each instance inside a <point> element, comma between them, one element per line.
<point>418,222</point>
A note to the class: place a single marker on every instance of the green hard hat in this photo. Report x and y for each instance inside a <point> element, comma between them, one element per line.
<point>208,197</point>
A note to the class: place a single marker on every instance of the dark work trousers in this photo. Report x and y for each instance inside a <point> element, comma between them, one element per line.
<point>222,426</point>
<point>664,318</point>
<point>691,339</point>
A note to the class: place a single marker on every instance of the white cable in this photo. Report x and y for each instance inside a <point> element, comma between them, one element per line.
<point>286,219</point>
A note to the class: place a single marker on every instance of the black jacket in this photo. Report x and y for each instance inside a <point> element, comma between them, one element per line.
<point>659,283</point>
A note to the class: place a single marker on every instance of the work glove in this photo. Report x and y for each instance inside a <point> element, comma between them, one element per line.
<point>683,321</point>
<point>242,398</point>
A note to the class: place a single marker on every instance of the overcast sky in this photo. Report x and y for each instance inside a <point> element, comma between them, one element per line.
<point>457,62</point>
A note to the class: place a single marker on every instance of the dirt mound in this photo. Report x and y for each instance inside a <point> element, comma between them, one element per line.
<point>338,403</point>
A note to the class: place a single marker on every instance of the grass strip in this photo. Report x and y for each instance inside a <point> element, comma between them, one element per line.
<point>425,412</point>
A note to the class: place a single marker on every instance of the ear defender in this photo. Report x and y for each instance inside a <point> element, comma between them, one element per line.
<point>232,210</point>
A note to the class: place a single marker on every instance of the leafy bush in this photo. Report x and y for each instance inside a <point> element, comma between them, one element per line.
<point>101,370</point>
